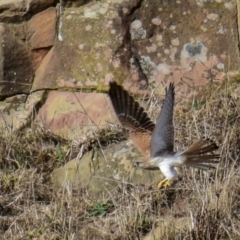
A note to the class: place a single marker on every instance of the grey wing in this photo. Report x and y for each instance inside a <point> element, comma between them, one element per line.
<point>163,134</point>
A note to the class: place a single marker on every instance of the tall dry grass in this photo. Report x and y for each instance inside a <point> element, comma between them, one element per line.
<point>200,206</point>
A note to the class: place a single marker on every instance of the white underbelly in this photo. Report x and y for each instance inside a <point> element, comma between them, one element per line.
<point>167,165</point>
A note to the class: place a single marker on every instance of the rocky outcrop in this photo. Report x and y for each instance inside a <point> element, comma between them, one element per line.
<point>84,45</point>
<point>41,34</point>
<point>16,71</point>
<point>102,171</point>
<point>72,114</point>
<point>186,42</point>
<point>15,11</point>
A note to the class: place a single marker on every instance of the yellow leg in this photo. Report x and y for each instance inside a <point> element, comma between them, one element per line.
<point>164,184</point>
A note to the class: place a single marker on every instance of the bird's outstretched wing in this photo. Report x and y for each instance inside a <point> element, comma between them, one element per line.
<point>162,140</point>
<point>133,118</point>
<point>131,115</point>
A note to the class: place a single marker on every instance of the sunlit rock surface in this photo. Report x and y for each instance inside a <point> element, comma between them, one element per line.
<point>72,114</point>
<point>81,46</point>
<point>103,171</point>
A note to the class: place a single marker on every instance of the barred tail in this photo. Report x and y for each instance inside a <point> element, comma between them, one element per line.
<point>197,155</point>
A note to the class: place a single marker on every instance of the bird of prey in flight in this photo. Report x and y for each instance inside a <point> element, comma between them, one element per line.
<point>156,142</point>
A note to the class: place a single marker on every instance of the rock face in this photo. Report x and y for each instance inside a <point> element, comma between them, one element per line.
<point>86,58</point>
<point>56,62</point>
<point>72,114</point>
<point>41,34</point>
<point>84,45</point>
<point>103,171</point>
<point>16,69</point>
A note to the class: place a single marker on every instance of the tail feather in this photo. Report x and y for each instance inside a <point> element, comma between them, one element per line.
<point>201,166</point>
<point>201,147</point>
<point>210,158</point>
<point>197,157</point>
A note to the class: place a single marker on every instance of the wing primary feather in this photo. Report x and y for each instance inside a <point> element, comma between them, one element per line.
<point>129,111</point>
<point>115,97</point>
<point>162,140</point>
<point>123,100</point>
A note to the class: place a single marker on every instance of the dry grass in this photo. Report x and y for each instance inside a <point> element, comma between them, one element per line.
<point>200,206</point>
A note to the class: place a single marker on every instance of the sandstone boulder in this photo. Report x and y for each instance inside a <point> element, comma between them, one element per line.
<point>102,171</point>
<point>72,114</point>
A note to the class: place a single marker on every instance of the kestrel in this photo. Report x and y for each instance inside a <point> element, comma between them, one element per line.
<point>156,142</point>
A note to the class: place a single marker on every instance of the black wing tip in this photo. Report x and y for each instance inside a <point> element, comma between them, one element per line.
<point>113,84</point>
<point>171,88</point>
<point>171,85</point>
<point>115,88</point>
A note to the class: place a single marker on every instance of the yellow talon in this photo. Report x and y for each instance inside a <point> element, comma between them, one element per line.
<point>161,183</point>
<point>164,184</point>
